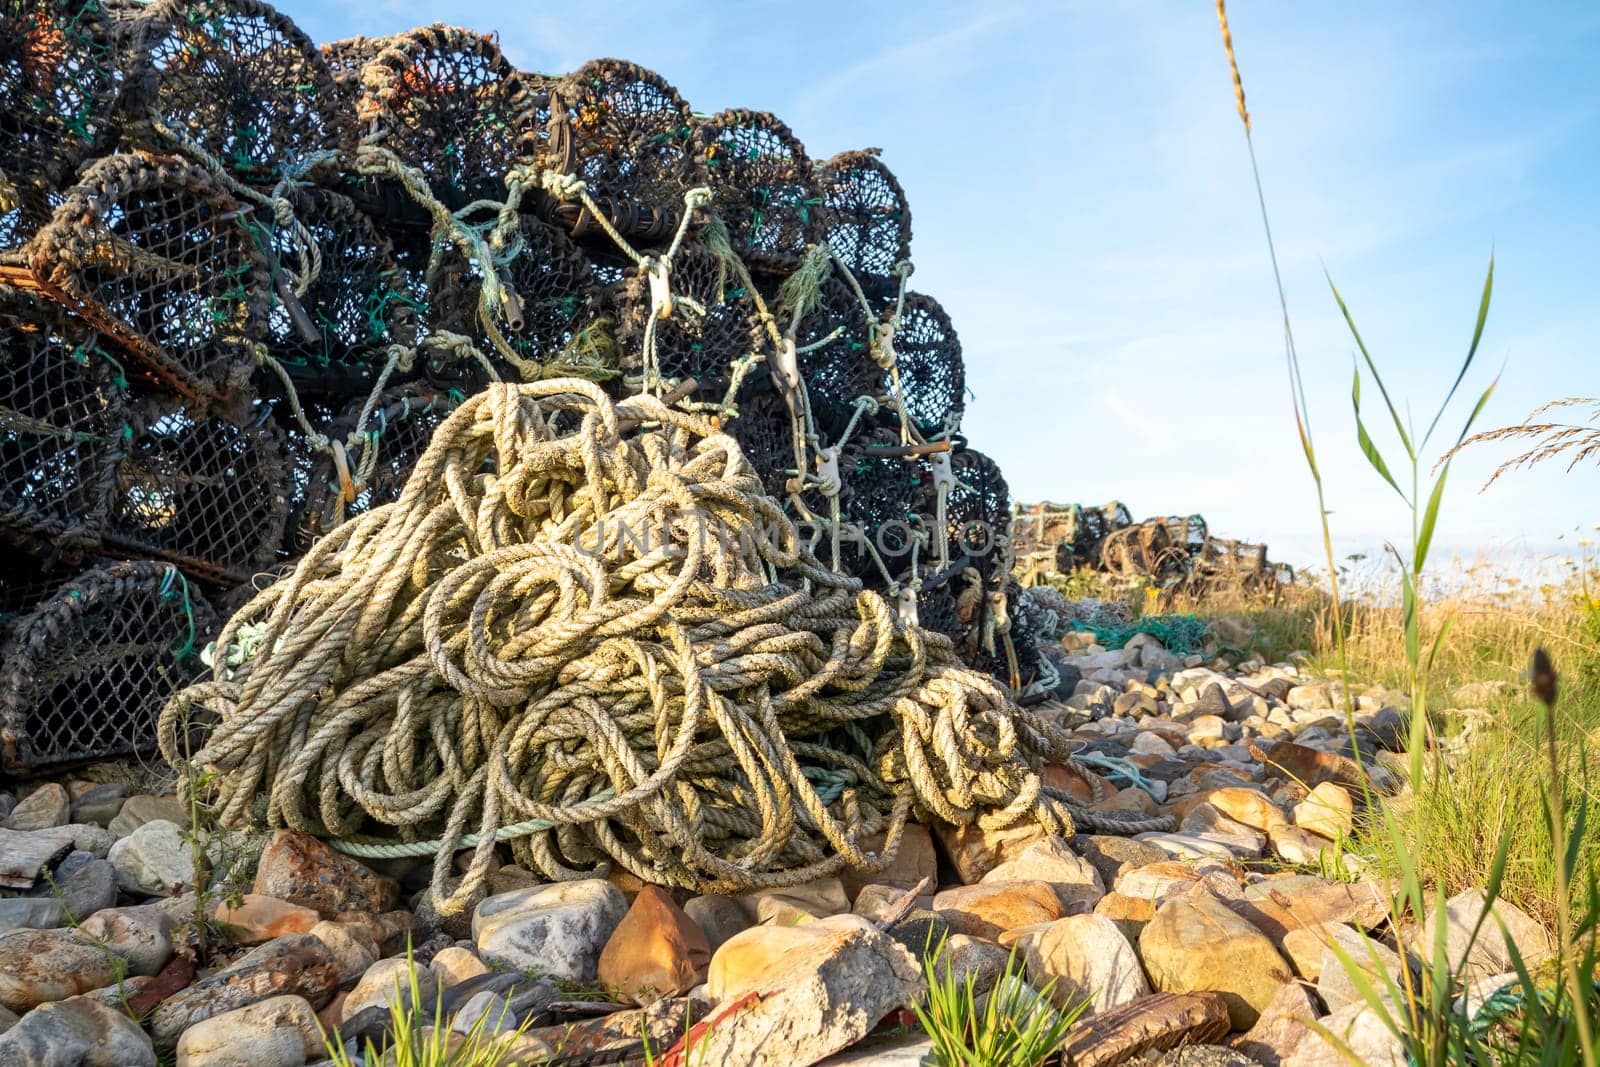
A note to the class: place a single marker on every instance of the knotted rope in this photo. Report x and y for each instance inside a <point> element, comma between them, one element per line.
<point>589,622</point>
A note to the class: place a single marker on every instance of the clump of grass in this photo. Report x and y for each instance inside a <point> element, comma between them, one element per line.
<point>1013,1025</point>
<point>415,1038</point>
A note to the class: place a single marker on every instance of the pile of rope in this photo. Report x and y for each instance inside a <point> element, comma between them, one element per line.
<point>498,656</point>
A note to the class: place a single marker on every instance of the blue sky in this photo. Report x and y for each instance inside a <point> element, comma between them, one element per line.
<point>1083,208</point>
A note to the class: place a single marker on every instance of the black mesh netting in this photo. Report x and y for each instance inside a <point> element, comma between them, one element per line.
<point>868,218</point>
<point>627,134</point>
<point>64,424</point>
<point>266,289</point>
<point>202,492</point>
<point>444,100</point>
<point>764,186</point>
<point>400,426</point>
<point>243,82</point>
<point>836,357</point>
<point>765,432</point>
<point>345,60</point>
<point>882,497</point>
<point>333,338</point>
<point>698,344</point>
<point>153,252</point>
<point>555,298</point>
<point>929,365</point>
<point>59,80</point>
<point>84,673</point>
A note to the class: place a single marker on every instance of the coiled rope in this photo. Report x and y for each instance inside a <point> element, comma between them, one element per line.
<point>587,622</point>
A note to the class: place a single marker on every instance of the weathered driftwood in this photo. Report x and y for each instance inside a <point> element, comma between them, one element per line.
<point>1149,1024</point>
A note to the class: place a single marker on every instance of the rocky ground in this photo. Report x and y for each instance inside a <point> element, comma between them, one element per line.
<point>1206,946</point>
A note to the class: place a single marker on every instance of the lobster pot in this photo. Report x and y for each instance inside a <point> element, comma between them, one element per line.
<point>552,300</point>
<point>868,217</point>
<point>85,672</point>
<point>154,253</point>
<point>703,345</point>
<point>627,134</point>
<point>400,427</point>
<point>1222,561</point>
<point>333,338</point>
<point>881,497</point>
<point>764,186</point>
<point>346,59</point>
<point>64,424</point>
<point>445,101</point>
<point>930,371</point>
<point>836,358</point>
<point>765,431</point>
<point>59,81</point>
<point>242,82</point>
<point>203,492</point>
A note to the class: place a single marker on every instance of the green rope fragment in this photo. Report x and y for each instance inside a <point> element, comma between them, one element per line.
<point>1181,635</point>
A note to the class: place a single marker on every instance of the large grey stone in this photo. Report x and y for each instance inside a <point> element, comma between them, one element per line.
<point>31,913</point>
<point>142,808</point>
<point>298,965</point>
<point>1506,925</point>
<point>81,1032</point>
<point>142,935</point>
<point>278,1032</point>
<point>1361,1030</point>
<point>555,930</point>
<point>154,860</point>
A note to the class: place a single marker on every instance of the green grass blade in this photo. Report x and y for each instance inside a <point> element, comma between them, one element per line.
<point>1383,390</point>
<point>1472,350</point>
<point>1364,439</point>
<point>1430,518</point>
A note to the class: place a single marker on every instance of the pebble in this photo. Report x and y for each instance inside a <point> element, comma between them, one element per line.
<point>823,985</point>
<point>82,885</point>
<point>455,965</point>
<point>656,950</point>
<point>1088,959</point>
<point>277,1032</point>
<point>388,980</point>
<point>1489,953</point>
<point>142,935</point>
<point>1076,882</point>
<point>302,870</point>
<point>40,966</point>
<point>974,851</point>
<point>42,809</point>
<point>298,964</point>
<point>256,919</point>
<point>142,808</point>
<point>990,909</point>
<point>1197,943</point>
<point>797,904</point>
<point>98,803</point>
<point>154,860</point>
<point>556,930</point>
<point>81,1032</point>
<point>1329,811</point>
<point>31,913</point>
<point>719,918</point>
<point>352,947</point>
